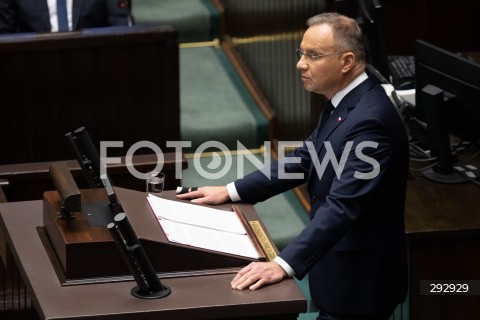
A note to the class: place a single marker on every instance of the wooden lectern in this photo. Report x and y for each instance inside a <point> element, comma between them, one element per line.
<point>82,253</point>
<point>199,279</point>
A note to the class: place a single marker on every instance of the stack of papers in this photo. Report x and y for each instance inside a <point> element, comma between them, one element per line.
<point>202,227</point>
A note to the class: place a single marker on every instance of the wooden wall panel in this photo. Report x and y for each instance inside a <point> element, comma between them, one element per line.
<point>121,83</point>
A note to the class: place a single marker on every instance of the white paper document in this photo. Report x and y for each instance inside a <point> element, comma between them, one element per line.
<point>209,239</point>
<point>202,227</point>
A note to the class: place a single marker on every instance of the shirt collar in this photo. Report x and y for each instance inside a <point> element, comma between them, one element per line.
<point>342,93</point>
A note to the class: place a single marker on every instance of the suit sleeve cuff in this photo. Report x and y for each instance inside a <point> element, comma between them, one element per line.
<point>285,266</point>
<point>232,192</point>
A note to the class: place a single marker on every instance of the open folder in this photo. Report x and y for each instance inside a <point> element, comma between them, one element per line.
<point>203,227</point>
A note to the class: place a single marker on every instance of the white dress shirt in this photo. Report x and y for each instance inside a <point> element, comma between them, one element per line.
<point>52,9</point>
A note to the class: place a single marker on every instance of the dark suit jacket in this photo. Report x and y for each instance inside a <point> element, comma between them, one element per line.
<point>33,15</point>
<point>354,246</point>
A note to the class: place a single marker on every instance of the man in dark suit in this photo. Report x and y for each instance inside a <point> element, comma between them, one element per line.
<point>354,246</point>
<point>41,15</point>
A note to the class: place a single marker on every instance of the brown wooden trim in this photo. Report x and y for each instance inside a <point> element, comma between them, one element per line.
<point>249,80</point>
<point>39,170</point>
<point>303,197</point>
<point>99,37</point>
<point>251,235</point>
<point>221,10</point>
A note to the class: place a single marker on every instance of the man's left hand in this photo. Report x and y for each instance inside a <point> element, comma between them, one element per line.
<point>258,274</point>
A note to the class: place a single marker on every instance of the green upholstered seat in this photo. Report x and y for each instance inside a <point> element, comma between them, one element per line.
<point>214,103</point>
<point>196,20</point>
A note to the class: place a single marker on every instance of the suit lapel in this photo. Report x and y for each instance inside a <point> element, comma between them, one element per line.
<point>76,9</point>
<point>42,6</point>
<point>337,117</point>
<point>340,114</point>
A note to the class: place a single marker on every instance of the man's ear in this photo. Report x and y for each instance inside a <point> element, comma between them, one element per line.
<point>348,59</point>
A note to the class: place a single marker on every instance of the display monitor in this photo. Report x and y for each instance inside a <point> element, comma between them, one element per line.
<point>370,19</point>
<point>398,69</point>
<point>448,101</point>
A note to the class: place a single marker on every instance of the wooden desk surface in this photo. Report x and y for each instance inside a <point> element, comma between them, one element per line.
<point>197,297</point>
<point>442,222</point>
<point>434,208</point>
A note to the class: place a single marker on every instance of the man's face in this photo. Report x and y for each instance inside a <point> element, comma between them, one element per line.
<point>322,74</point>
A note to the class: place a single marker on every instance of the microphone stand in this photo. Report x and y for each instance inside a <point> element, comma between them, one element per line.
<point>148,284</point>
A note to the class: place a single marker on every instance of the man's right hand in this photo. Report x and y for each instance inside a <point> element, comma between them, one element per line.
<point>207,195</point>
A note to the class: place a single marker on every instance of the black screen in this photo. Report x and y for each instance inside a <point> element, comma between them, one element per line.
<point>459,78</point>
<point>370,19</point>
<point>448,101</point>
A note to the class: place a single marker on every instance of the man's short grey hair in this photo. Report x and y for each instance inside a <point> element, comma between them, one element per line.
<point>347,33</point>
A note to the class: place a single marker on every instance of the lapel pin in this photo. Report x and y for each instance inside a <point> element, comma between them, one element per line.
<point>339,119</point>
